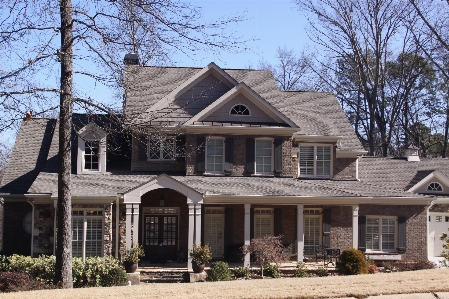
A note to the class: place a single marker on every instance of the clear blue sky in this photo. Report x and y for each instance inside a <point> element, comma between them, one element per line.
<point>272,23</point>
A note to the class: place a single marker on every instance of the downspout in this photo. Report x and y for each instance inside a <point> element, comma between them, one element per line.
<point>55,205</point>
<point>31,202</point>
<point>2,218</point>
<point>428,227</point>
<point>117,224</point>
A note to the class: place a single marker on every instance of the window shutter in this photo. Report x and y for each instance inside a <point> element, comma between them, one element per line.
<point>327,227</point>
<point>362,233</point>
<point>250,154</point>
<point>229,155</point>
<point>180,150</point>
<point>402,241</point>
<point>252,223</point>
<point>278,156</point>
<point>277,222</point>
<point>142,144</point>
<point>201,154</point>
<point>229,229</point>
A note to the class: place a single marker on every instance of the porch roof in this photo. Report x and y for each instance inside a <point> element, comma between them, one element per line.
<point>119,183</point>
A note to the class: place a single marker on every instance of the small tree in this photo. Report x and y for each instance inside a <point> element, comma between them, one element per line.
<point>445,253</point>
<point>268,249</point>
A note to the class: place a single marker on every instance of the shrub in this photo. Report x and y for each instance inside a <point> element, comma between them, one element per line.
<point>219,271</point>
<point>301,270</point>
<point>241,272</point>
<point>352,262</point>
<point>271,270</point>
<point>322,272</point>
<point>4,263</point>
<point>20,282</point>
<point>97,272</point>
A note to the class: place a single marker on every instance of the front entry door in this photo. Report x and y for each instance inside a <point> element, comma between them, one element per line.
<point>161,237</point>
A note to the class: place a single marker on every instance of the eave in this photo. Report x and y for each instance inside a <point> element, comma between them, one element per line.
<point>201,129</point>
<point>316,138</point>
<point>312,200</point>
<point>350,154</point>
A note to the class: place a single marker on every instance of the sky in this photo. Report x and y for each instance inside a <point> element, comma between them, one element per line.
<point>268,24</point>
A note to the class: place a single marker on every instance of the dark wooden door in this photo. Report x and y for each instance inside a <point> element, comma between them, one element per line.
<point>161,237</point>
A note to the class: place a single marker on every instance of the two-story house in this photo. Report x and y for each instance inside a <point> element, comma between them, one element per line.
<point>212,156</point>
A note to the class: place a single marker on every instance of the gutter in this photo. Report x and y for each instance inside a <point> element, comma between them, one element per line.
<point>311,200</point>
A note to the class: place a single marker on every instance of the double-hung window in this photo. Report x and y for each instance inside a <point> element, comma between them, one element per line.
<point>91,150</point>
<point>264,156</point>
<point>214,155</point>
<point>263,223</point>
<point>315,160</point>
<point>87,233</point>
<point>91,155</point>
<point>161,149</point>
<point>380,233</point>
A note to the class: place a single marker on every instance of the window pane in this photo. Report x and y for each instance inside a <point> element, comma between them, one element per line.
<point>214,155</point>
<point>306,158</point>
<point>264,152</point>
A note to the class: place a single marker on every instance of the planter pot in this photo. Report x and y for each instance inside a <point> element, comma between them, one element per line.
<point>198,268</point>
<point>130,267</point>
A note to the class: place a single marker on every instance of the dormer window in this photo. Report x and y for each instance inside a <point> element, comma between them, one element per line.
<point>434,187</point>
<point>315,161</point>
<point>239,110</point>
<point>91,150</point>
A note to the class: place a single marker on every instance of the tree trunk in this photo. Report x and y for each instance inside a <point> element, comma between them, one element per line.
<point>446,129</point>
<point>63,271</point>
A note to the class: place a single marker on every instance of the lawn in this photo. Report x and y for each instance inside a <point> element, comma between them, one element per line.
<point>358,286</point>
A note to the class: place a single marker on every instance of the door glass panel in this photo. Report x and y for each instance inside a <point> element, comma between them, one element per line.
<point>213,233</point>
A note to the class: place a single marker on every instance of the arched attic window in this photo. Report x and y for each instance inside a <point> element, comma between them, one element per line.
<point>435,187</point>
<point>239,109</point>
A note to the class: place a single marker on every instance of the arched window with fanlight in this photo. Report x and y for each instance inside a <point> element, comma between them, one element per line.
<point>434,187</point>
<point>240,109</point>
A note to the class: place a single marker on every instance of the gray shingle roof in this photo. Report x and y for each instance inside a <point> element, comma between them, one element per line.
<point>399,173</point>
<point>28,156</point>
<point>315,113</point>
<point>110,185</point>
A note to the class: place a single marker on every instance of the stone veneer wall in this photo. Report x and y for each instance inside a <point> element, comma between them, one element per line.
<point>43,239</point>
<point>239,154</point>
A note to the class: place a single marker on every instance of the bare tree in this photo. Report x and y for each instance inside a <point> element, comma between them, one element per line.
<point>362,39</point>
<point>5,151</point>
<point>94,36</point>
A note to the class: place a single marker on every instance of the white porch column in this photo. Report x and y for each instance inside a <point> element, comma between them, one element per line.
<point>129,212</point>
<point>247,232</point>
<point>355,227</point>
<point>191,233</point>
<point>136,223</point>
<point>300,232</point>
<point>197,235</point>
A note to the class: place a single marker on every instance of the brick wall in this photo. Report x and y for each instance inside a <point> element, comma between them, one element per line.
<point>345,168</point>
<point>341,227</point>
<point>143,165</point>
<point>239,154</point>
<point>416,227</point>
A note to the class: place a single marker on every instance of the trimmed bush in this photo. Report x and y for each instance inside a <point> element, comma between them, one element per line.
<point>322,272</point>
<point>94,272</point>
<point>219,271</point>
<point>19,282</point>
<point>242,272</point>
<point>352,262</point>
<point>301,270</point>
<point>271,270</point>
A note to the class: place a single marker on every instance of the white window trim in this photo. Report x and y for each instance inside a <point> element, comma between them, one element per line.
<point>380,217</point>
<point>233,115</point>
<point>267,212</point>
<point>85,217</point>
<point>315,160</point>
<point>222,161</point>
<point>91,129</point>
<point>435,191</point>
<point>272,156</point>
<point>161,149</point>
